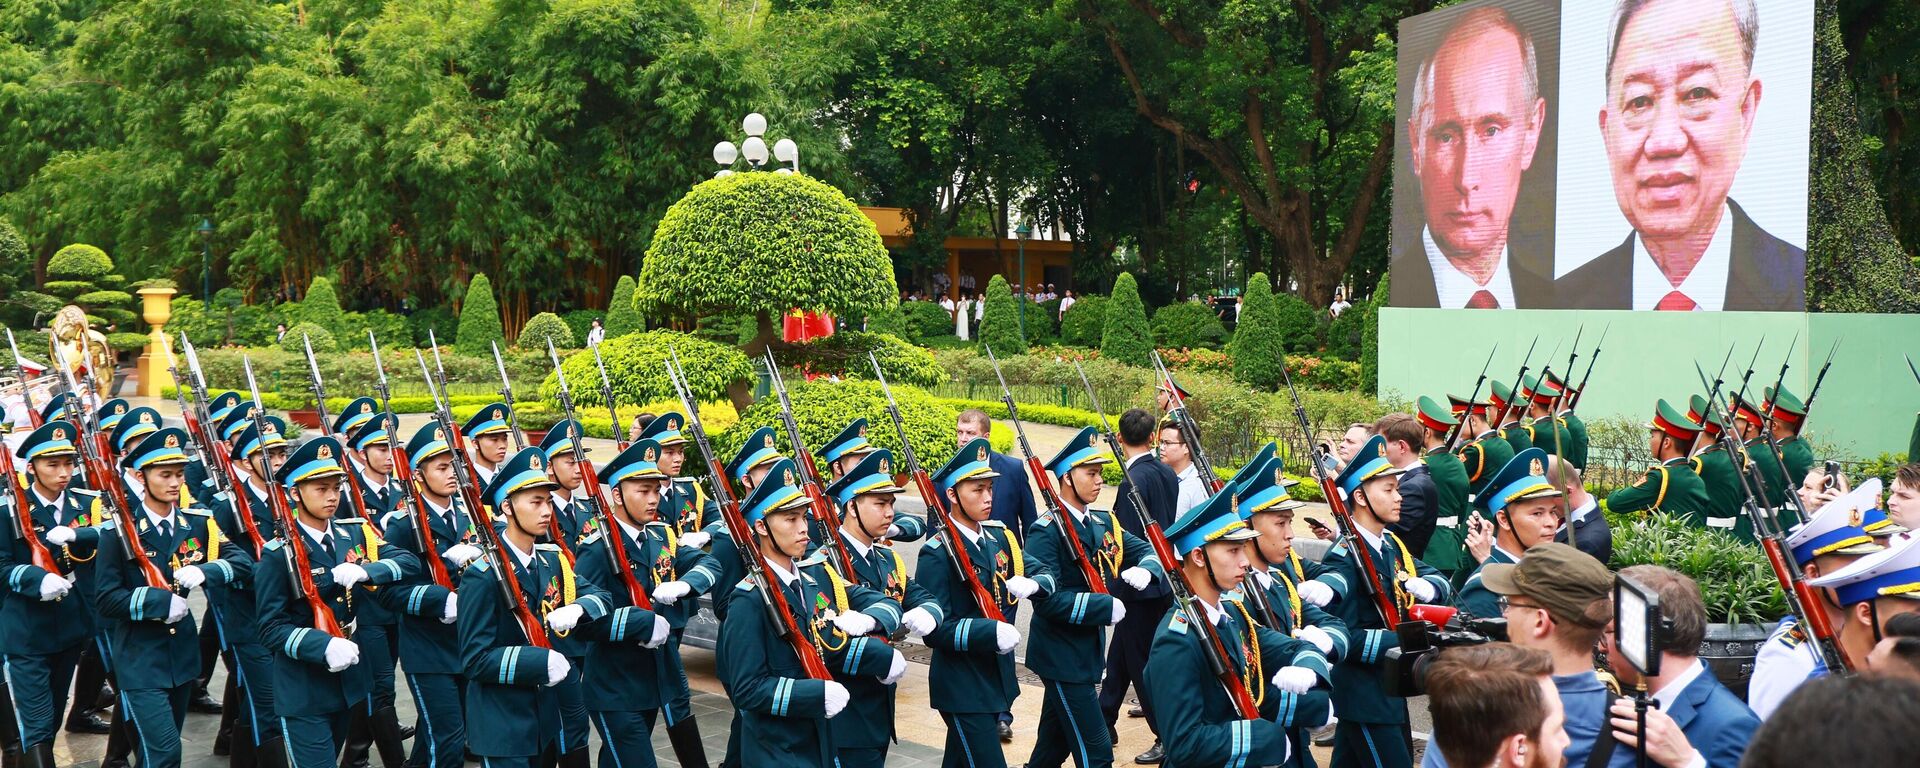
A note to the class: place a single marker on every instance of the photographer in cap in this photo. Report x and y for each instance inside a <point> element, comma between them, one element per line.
<point>1558,600</point>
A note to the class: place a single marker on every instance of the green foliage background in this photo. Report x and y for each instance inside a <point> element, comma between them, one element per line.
<point>1126,337</point>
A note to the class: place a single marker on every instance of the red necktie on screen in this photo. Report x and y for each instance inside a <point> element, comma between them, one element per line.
<point>1675,301</point>
<point>1483,299</point>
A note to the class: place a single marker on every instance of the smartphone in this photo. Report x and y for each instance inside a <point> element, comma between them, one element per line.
<point>1833,474</point>
<point>1317,525</point>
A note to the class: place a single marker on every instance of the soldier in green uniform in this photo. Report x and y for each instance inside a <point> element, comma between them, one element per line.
<point>1295,604</point>
<point>1199,721</point>
<point>1670,485</point>
<point>1548,433</point>
<point>1488,452</point>
<point>1508,407</point>
<point>1577,442</point>
<point>1789,416</point>
<point>1748,417</point>
<point>1715,468</point>
<point>1450,483</point>
<point>1373,729</point>
<point>1525,507</point>
<point>1069,629</point>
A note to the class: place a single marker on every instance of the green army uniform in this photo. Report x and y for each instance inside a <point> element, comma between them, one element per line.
<point>1670,486</point>
<point>1576,437</point>
<point>1545,432</point>
<point>1798,456</point>
<point>1771,475</point>
<point>1724,494</point>
<point>1483,457</point>
<point>1517,434</point>
<point>1451,487</point>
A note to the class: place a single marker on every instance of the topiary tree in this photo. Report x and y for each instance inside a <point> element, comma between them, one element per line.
<point>543,328</point>
<point>322,307</point>
<point>323,339</point>
<point>636,365</point>
<point>1000,325</point>
<point>1085,322</point>
<point>1187,325</point>
<point>761,244</point>
<point>479,320</point>
<point>82,274</point>
<point>622,316</point>
<point>844,355</point>
<point>1299,323</point>
<point>1259,347</point>
<point>824,408</point>
<point>890,321</point>
<point>1126,337</point>
<point>926,320</point>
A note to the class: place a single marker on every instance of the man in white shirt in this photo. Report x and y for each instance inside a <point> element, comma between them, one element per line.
<point>597,335</point>
<point>1178,456</point>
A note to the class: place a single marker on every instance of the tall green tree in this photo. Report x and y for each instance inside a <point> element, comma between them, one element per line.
<point>1127,338</point>
<point>479,320</point>
<point>622,316</point>
<point>1000,322</point>
<point>1259,347</point>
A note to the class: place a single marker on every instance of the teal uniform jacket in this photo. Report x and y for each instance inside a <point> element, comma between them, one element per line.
<point>726,558</point>
<point>1576,448</point>
<point>578,519</point>
<point>379,500</point>
<point>149,653</point>
<point>512,710</point>
<point>1670,487</point>
<point>28,625</point>
<point>234,602</point>
<point>688,506</point>
<point>1483,459</point>
<point>301,683</point>
<point>1474,598</point>
<point>782,712</point>
<point>968,674</point>
<point>621,674</point>
<point>1293,613</point>
<point>1067,637</point>
<point>1451,486</point>
<point>1519,436</point>
<point>1357,694</point>
<point>427,644</point>
<point>868,721</point>
<point>1199,725</point>
<point>379,503</point>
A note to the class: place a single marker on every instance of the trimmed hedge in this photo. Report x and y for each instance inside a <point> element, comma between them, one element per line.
<point>1258,341</point>
<point>321,307</point>
<point>1000,325</point>
<point>824,408</point>
<point>1187,325</point>
<point>844,354</point>
<point>926,320</point>
<point>479,320</point>
<point>1037,413</point>
<point>622,316</point>
<point>543,328</point>
<point>636,366</point>
<point>294,342</point>
<point>1298,322</point>
<point>1126,337</point>
<point>81,262</point>
<point>1085,322</point>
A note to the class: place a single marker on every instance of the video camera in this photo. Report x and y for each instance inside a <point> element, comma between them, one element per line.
<point>1404,671</point>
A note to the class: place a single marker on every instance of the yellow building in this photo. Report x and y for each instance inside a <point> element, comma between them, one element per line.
<point>973,261</point>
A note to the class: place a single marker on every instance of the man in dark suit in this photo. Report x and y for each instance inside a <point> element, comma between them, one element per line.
<point>1419,500</point>
<point>1699,721</point>
<point>1133,636</point>
<point>1590,532</point>
<point>1676,126</point>
<point>1013,503</point>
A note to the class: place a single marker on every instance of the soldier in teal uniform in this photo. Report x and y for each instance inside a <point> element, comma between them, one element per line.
<point>784,712</point>
<point>370,453</point>
<point>1508,408</point>
<point>629,662</point>
<point>1488,451</point>
<point>513,671</point>
<point>320,678</point>
<point>1373,729</point>
<point>971,677</point>
<point>259,451</point>
<point>1670,485</point>
<point>429,642</point>
<point>1296,603</point>
<point>1525,508</point>
<point>370,449</point>
<point>571,508</point>
<point>685,506</point>
<point>489,438</point>
<point>1548,433</point>
<point>45,622</point>
<point>154,644</point>
<point>845,449</point>
<point>1069,630</point>
<point>1450,485</point>
<point>1285,677</point>
<point>865,495</point>
<point>1715,468</point>
<point>750,464</point>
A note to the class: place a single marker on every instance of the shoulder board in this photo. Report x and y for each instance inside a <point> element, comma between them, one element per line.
<point>276,544</point>
<point>745,585</point>
<point>1338,549</point>
<point>348,521</point>
<point>1177,622</point>
<point>479,565</point>
<point>819,557</point>
<point>196,511</point>
<point>994,523</point>
<point>656,524</point>
<point>590,538</point>
<point>546,547</point>
<point>1043,521</point>
<point>685,480</point>
<point>887,547</point>
<point>933,543</point>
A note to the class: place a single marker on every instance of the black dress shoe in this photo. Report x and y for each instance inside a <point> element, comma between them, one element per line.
<point>1136,712</point>
<point>1152,756</point>
<point>88,722</point>
<point>204,704</point>
<point>1006,732</point>
<point>406,732</point>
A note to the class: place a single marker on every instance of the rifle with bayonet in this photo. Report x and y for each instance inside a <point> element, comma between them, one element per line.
<point>356,488</point>
<point>1189,431</point>
<point>20,373</point>
<point>822,510</point>
<point>506,396</point>
<point>213,454</point>
<point>102,477</point>
<point>299,564</point>
<point>1378,591</point>
<point>1460,427</point>
<point>596,494</point>
<point>1095,582</point>
<point>410,498</point>
<point>606,393</point>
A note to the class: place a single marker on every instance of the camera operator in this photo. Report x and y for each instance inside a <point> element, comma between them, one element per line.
<point>1557,601</point>
<point>1699,722</point>
<point>1494,705</point>
<point>1526,511</point>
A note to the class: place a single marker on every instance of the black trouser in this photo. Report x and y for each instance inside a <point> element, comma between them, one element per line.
<point>87,680</point>
<point>1127,657</point>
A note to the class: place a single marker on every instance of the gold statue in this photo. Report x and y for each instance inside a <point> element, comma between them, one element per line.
<point>83,348</point>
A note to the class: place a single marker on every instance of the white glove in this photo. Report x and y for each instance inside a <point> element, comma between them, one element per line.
<point>558,667</point>
<point>1136,577</point>
<point>668,591</point>
<point>660,630</point>
<point>461,554</point>
<point>919,622</point>
<point>60,536</point>
<point>53,587</point>
<point>896,669</point>
<point>348,574</point>
<point>855,623</point>
<point>1317,636</point>
<point>564,618</point>
<point>341,653</point>
<point>190,578</point>
<point>893,531</point>
<point>176,609</point>
<point>836,698</point>
<point>1005,636</point>
<point>696,539</point>
<point>1316,592</point>
<point>1022,587</point>
<point>1119,612</point>
<point>1262,579</point>
<point>1294,679</point>
<point>453,611</point>
<point>1421,588</point>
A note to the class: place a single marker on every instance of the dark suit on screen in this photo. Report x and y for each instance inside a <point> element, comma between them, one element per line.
<point>1767,274</point>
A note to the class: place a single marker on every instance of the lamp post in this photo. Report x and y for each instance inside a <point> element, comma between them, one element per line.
<point>1023,232</point>
<point>205,230</point>
<point>754,149</point>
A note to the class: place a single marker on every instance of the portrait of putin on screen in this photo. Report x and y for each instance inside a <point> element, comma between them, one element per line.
<point>1680,106</point>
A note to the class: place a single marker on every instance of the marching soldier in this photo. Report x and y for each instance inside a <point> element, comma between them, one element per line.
<point>1488,452</point>
<point>1508,406</point>
<point>1547,432</point>
<point>1296,604</point>
<point>570,505</point>
<point>845,449</point>
<point>1789,415</point>
<point>45,624</point>
<point>1871,591</point>
<point>319,678</point>
<point>1525,507</point>
<point>687,508</point>
<point>749,466</point>
<point>971,676</point>
<point>865,495</point>
<point>1577,442</point>
<point>513,678</point>
<point>1451,486</point>
<point>259,450</point>
<point>370,453</point>
<point>1070,623</point>
<point>490,437</point>
<point>1670,485</point>
<point>1715,468</point>
<point>1830,541</point>
<point>1373,729</point>
<point>156,654</point>
<point>629,663</point>
<point>783,712</point>
<point>1199,724</point>
<point>1747,420</point>
<point>429,642</point>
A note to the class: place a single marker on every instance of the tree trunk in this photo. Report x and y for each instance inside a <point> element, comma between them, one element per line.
<point>764,334</point>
